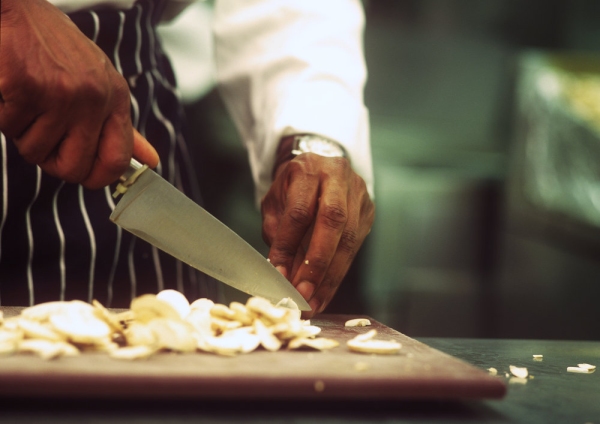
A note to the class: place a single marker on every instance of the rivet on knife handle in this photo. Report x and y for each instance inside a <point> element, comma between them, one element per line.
<point>129,177</point>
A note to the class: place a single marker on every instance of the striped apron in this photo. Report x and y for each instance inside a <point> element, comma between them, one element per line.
<point>56,239</point>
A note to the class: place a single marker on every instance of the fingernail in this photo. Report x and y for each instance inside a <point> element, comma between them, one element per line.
<point>306,289</point>
<point>282,270</point>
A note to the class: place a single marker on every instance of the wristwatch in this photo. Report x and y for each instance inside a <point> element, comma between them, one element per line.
<point>294,145</point>
<point>310,143</point>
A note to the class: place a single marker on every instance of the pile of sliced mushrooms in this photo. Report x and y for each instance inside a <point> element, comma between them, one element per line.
<point>168,322</point>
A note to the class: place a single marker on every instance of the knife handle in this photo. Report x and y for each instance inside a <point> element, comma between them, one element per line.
<point>134,166</point>
<point>133,172</point>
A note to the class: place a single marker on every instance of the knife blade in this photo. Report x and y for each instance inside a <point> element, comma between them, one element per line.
<point>157,212</point>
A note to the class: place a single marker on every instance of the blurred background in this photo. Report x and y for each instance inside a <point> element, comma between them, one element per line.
<point>485,150</point>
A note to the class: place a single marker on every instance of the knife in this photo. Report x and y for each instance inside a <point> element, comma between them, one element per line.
<point>155,211</point>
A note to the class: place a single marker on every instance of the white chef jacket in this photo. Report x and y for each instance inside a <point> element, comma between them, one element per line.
<point>285,67</point>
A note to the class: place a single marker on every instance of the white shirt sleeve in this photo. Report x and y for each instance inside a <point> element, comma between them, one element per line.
<point>288,67</point>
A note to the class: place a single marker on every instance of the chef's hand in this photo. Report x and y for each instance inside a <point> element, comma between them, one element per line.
<point>61,100</point>
<point>316,216</point>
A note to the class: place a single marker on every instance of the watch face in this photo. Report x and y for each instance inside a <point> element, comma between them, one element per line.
<point>320,146</point>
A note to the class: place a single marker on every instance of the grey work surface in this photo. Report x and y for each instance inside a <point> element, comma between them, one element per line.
<point>553,396</point>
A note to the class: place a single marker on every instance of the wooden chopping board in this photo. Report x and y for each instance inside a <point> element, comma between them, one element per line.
<point>418,372</point>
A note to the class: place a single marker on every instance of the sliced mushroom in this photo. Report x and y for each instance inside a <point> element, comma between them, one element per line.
<point>520,372</point>
<point>357,322</point>
<point>173,334</point>
<point>267,339</point>
<point>147,307</point>
<point>319,343</point>
<point>47,349</point>
<point>133,352</point>
<point>39,330</point>
<point>177,301</point>
<point>80,325</point>
<point>381,347</point>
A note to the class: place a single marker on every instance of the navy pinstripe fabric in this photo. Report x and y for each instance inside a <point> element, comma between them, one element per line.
<point>57,242</point>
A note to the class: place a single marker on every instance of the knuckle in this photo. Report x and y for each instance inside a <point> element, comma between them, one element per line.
<point>269,229</point>
<point>120,87</point>
<point>334,215</point>
<point>122,94</point>
<point>319,263</point>
<point>341,163</point>
<point>26,82</point>
<point>269,224</point>
<point>74,174</point>
<point>65,87</point>
<point>266,238</point>
<point>62,166</point>
<point>300,215</point>
<point>95,93</point>
<point>350,241</point>
<point>30,154</point>
<point>302,165</point>
<point>98,86</point>
<point>29,150</point>
<point>93,89</point>
<point>283,251</point>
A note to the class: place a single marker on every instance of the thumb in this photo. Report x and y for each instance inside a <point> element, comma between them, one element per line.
<point>143,151</point>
